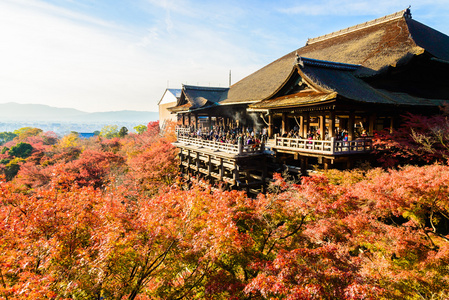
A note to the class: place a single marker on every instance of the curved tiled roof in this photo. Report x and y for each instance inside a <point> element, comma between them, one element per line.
<point>199,96</point>
<point>337,81</point>
<point>374,47</point>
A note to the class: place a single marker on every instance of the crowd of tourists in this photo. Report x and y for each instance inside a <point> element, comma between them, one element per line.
<point>249,136</point>
<point>221,134</point>
<point>339,134</point>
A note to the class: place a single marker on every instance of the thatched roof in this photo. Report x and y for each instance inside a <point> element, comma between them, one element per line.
<point>375,45</point>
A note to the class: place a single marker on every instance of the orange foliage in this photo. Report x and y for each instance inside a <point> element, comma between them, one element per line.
<point>109,218</point>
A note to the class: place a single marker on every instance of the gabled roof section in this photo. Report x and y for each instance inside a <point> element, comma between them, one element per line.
<point>335,81</point>
<point>298,82</point>
<point>176,93</point>
<point>433,41</point>
<point>197,97</point>
<point>375,45</point>
<point>200,96</point>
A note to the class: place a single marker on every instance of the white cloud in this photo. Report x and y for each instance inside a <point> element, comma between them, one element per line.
<point>55,56</point>
<point>57,61</point>
<point>54,60</point>
<point>344,8</point>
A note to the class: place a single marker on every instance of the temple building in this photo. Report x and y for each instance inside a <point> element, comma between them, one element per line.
<point>323,101</point>
<point>169,99</point>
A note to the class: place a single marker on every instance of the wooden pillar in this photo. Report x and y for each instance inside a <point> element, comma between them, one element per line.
<point>221,171</point>
<point>372,123</point>
<point>304,165</point>
<point>189,118</point>
<point>198,163</point>
<point>264,174</point>
<point>349,163</point>
<point>240,146</point>
<point>285,123</point>
<point>305,124</point>
<point>209,167</point>
<point>301,126</point>
<point>391,124</point>
<point>209,122</point>
<point>236,173</point>
<point>189,160</point>
<point>351,122</point>
<point>248,179</point>
<point>270,126</point>
<point>181,159</point>
<point>321,121</point>
<point>196,121</point>
<point>331,124</point>
<point>326,164</point>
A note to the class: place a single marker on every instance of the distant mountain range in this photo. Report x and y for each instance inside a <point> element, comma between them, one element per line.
<point>14,112</point>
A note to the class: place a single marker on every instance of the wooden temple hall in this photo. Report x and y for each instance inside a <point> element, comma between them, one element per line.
<point>318,105</point>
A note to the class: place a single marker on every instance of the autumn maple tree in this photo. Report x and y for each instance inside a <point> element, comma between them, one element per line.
<point>419,140</point>
<point>108,218</point>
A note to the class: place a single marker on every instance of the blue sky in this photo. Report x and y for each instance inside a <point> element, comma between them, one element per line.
<point>104,55</point>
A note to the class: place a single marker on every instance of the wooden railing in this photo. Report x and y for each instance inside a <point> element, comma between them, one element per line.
<point>182,130</point>
<point>329,147</point>
<point>325,147</point>
<point>238,148</point>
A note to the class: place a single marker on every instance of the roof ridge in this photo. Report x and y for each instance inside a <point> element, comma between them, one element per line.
<point>204,88</point>
<point>397,15</point>
<point>327,64</point>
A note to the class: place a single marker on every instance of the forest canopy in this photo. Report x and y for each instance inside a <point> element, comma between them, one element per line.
<point>108,218</point>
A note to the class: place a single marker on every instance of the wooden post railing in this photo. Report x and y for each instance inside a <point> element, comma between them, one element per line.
<point>328,147</point>
<point>238,148</point>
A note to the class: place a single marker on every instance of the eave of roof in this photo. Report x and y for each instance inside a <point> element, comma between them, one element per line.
<point>180,108</point>
<point>298,99</point>
<point>197,97</point>
<point>328,82</point>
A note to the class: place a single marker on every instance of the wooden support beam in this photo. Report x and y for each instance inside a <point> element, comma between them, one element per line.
<point>285,126</point>
<point>248,180</point>
<point>181,159</point>
<point>301,126</point>
<point>198,162</point>
<point>209,167</point>
<point>326,164</point>
<point>305,125</point>
<point>304,165</point>
<point>236,173</point>
<point>270,126</point>
<point>189,161</point>
<point>221,171</point>
<point>391,124</point>
<point>332,124</point>
<point>351,122</point>
<point>196,121</point>
<point>321,121</point>
<point>372,123</point>
<point>264,175</point>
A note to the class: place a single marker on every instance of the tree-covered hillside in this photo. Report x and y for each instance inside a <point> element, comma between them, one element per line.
<point>108,218</point>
